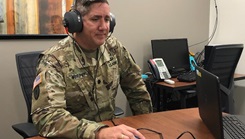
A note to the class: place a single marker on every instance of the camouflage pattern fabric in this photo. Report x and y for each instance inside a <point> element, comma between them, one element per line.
<point>64,103</point>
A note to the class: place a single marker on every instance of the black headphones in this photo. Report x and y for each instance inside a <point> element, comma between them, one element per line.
<point>73,20</point>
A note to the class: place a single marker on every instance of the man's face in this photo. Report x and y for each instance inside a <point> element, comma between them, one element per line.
<point>96,25</point>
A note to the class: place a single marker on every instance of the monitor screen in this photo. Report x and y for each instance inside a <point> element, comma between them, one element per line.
<point>174,52</point>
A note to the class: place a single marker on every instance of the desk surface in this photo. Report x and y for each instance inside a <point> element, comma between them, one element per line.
<point>177,85</point>
<point>170,123</point>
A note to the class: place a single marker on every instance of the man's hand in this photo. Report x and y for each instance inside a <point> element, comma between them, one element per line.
<point>119,132</point>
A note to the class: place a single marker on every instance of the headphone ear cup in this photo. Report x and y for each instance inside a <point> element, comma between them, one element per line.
<point>112,23</point>
<point>73,21</point>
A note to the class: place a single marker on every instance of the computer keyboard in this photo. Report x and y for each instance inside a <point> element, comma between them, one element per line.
<point>234,127</point>
<point>187,77</point>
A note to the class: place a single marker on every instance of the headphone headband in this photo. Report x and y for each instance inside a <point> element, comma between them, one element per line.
<point>73,20</point>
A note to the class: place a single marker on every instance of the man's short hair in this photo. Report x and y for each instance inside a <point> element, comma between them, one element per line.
<point>83,6</point>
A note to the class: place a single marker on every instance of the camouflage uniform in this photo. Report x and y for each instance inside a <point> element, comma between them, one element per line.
<point>63,103</point>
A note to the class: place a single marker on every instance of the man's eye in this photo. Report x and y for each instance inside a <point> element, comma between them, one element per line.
<point>108,19</point>
<point>94,19</point>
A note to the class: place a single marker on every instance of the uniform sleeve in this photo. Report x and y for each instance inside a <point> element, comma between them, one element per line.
<point>132,84</point>
<point>49,112</point>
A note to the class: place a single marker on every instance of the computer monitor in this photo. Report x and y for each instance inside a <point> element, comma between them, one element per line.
<point>174,52</point>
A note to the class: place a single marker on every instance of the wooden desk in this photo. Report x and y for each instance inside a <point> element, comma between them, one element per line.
<point>177,86</point>
<point>163,88</point>
<point>170,123</point>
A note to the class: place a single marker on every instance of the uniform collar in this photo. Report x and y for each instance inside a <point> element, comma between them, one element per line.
<point>81,58</point>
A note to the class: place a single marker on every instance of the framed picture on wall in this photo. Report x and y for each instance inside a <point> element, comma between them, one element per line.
<point>33,19</point>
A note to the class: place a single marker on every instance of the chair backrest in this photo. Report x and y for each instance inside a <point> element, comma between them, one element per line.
<point>26,66</point>
<point>221,60</point>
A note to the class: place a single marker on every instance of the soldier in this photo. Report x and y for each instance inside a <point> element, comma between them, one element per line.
<point>77,79</point>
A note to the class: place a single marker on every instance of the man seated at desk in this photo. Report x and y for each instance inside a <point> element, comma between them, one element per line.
<point>77,80</point>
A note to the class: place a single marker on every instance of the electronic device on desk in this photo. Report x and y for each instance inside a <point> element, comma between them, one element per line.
<point>175,53</point>
<point>187,77</point>
<point>159,70</point>
<point>191,75</point>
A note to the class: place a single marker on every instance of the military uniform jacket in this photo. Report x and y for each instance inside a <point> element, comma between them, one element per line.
<point>73,92</point>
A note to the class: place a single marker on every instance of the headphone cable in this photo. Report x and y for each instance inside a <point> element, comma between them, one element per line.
<point>98,57</point>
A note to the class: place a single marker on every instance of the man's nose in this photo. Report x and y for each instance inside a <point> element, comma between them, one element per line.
<point>104,24</point>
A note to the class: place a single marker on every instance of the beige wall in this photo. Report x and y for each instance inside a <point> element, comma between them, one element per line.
<point>137,23</point>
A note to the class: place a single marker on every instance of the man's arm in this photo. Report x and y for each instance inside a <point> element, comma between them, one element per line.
<point>133,85</point>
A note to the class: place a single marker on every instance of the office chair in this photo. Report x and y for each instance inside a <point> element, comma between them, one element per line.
<point>149,83</point>
<point>26,66</point>
<point>222,60</point>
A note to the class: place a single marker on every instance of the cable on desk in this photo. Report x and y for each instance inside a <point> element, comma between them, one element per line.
<point>159,133</point>
<point>112,121</point>
<point>184,133</point>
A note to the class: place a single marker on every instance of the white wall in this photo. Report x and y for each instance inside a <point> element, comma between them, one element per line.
<point>231,29</point>
<point>137,23</point>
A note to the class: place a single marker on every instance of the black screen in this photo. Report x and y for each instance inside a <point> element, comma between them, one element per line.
<point>174,52</point>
